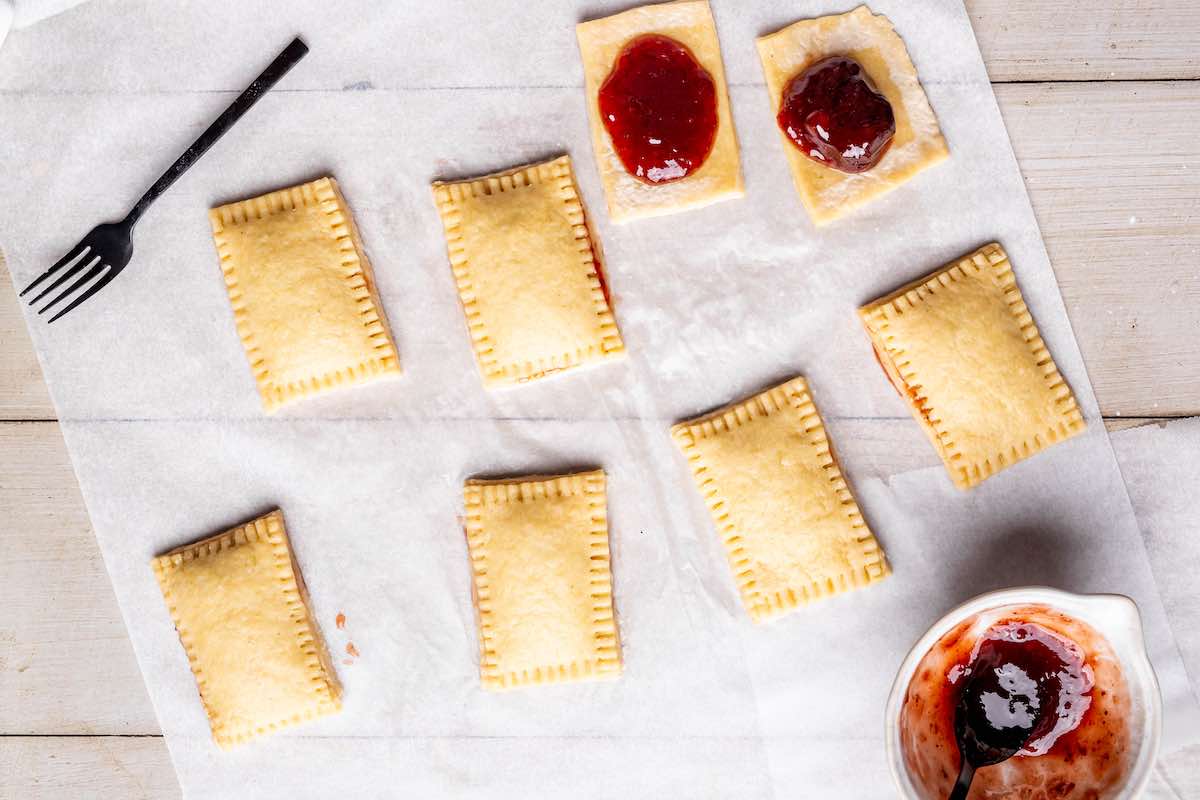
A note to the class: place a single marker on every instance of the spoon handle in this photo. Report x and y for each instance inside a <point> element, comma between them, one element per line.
<point>963,785</point>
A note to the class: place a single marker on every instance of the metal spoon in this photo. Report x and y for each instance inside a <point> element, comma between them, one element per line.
<point>976,752</point>
<point>997,713</point>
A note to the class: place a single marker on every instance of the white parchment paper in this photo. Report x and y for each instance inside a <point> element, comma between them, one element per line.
<point>169,443</point>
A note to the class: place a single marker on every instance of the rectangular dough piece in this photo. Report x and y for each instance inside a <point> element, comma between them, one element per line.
<point>240,607</point>
<point>302,292</point>
<point>962,349</point>
<point>872,41</point>
<point>542,582</point>
<point>791,528</point>
<point>528,273</point>
<point>689,22</point>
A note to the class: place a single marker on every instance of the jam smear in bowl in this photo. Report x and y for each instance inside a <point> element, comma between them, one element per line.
<point>1024,685</point>
<point>833,114</point>
<point>1081,710</point>
<point>659,106</point>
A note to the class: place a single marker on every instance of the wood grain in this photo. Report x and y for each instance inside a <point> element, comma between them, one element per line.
<point>1032,40</point>
<point>61,634</point>
<point>133,768</point>
<point>1122,226</point>
<point>86,767</point>
<point>23,393</point>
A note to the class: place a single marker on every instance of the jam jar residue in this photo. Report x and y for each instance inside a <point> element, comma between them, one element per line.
<point>833,114</point>
<point>1037,666</point>
<point>659,106</point>
<point>1026,684</point>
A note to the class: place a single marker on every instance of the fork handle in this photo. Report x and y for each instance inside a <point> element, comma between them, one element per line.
<point>269,77</point>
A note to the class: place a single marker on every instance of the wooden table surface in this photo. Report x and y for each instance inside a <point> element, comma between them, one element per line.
<point>1102,102</point>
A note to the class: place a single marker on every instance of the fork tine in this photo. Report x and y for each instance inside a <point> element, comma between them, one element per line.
<point>89,275</point>
<point>95,287</point>
<point>75,252</point>
<point>77,268</point>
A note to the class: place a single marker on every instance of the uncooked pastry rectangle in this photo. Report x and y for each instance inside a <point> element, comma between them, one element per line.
<point>965,354</point>
<point>541,579</point>
<point>239,605</point>
<point>528,271</point>
<point>303,295</point>
<point>791,528</point>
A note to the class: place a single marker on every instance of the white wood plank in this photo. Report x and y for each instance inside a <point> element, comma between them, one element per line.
<point>103,767</point>
<point>1119,219</point>
<point>23,393</point>
<point>1026,40</point>
<point>66,665</point>
<point>1114,174</point>
<point>86,767</point>
<point>1032,40</point>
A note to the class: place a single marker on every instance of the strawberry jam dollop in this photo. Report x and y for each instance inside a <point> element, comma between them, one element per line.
<point>659,106</point>
<point>833,114</point>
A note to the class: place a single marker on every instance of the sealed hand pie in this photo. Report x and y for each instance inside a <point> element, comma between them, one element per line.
<point>303,296</point>
<point>241,610</point>
<point>963,351</point>
<point>528,273</point>
<point>790,526</point>
<point>662,132</point>
<point>542,584</point>
<point>854,119</point>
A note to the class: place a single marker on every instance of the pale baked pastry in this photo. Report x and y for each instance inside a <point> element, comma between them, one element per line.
<point>302,292</point>
<point>241,610</point>
<point>541,579</point>
<point>872,41</point>
<point>791,528</point>
<point>528,272</point>
<point>963,351</point>
<point>690,23</point>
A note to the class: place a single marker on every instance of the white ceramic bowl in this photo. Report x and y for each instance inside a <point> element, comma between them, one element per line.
<point>1115,616</point>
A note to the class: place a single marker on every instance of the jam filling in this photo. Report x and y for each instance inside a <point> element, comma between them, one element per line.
<point>659,106</point>
<point>833,114</point>
<point>1023,688</point>
<point>599,269</point>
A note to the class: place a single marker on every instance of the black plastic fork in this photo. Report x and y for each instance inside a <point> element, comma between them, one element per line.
<point>106,250</point>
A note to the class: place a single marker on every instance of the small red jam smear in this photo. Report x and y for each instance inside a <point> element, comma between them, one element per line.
<point>834,115</point>
<point>660,108</point>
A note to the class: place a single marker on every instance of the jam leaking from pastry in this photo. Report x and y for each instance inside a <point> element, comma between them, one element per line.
<point>1023,689</point>
<point>833,114</point>
<point>659,107</point>
<point>599,268</point>
<point>893,376</point>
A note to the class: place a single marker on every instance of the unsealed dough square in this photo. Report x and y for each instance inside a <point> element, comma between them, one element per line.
<point>528,273</point>
<point>791,528</point>
<point>542,582</point>
<point>303,296</point>
<point>241,610</point>
<point>965,354</point>
<point>689,22</point>
<point>872,41</point>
